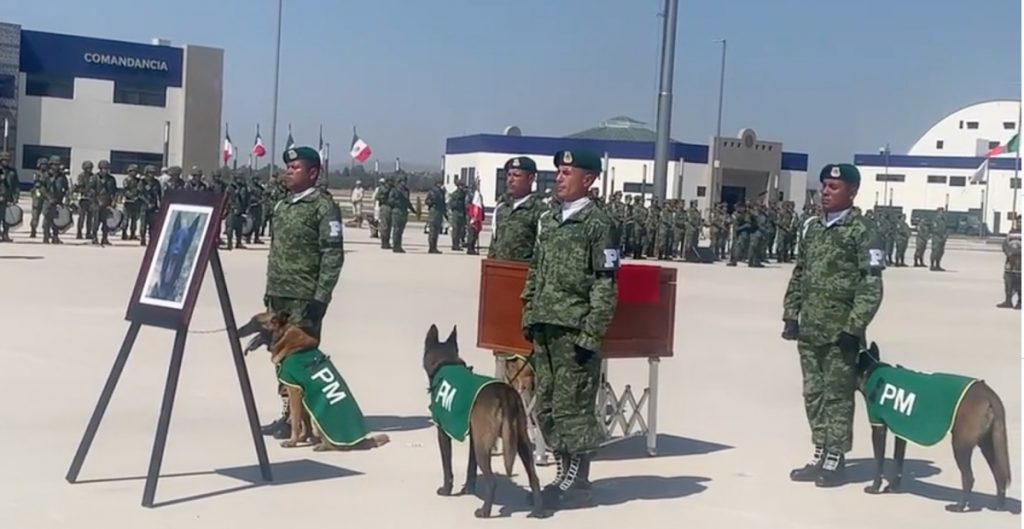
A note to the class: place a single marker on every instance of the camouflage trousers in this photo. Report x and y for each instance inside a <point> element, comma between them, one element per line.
<point>690,239</point>
<point>399,218</point>
<point>384,230</point>
<point>740,246</point>
<point>899,255</point>
<point>37,213</point>
<point>919,248</point>
<point>435,223</point>
<point>938,250</point>
<point>566,392</point>
<point>458,222</point>
<point>829,382</point>
<point>147,223</point>
<point>1011,285</point>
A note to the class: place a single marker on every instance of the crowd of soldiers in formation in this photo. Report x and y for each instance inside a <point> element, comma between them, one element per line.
<point>103,207</point>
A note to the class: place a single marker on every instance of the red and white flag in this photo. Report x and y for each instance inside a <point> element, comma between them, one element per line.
<point>257,149</point>
<point>229,149</point>
<point>360,149</point>
<point>476,212</point>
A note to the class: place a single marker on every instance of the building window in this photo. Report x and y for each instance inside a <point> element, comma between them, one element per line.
<point>890,177</point>
<point>993,144</point>
<point>961,123</point>
<point>936,179</point>
<point>120,160</point>
<point>1015,183</point>
<point>702,191</point>
<point>148,95</point>
<point>637,188</point>
<point>50,86</point>
<point>1009,125</point>
<point>30,154</point>
<point>939,144</point>
<point>958,181</point>
<point>973,125</point>
<point>467,175</point>
<point>543,181</point>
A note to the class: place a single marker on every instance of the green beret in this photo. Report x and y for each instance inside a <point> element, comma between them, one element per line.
<point>521,162</point>
<point>581,158</point>
<point>840,171</point>
<point>302,153</point>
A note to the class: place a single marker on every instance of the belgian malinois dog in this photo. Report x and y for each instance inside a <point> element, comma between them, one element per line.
<point>497,412</point>
<point>980,421</point>
<point>284,338</point>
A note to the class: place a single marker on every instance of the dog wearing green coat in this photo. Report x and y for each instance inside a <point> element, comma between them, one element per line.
<point>922,408</point>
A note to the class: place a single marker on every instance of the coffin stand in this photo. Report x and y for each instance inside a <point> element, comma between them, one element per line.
<point>638,330</point>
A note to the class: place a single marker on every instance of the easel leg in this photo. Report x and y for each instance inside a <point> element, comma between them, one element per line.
<point>101,406</point>
<point>160,441</point>
<point>243,373</point>
<point>652,405</point>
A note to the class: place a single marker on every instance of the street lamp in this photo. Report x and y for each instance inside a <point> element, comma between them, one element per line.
<point>884,151</point>
<point>716,171</point>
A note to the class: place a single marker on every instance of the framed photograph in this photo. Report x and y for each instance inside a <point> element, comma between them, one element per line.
<point>176,259</point>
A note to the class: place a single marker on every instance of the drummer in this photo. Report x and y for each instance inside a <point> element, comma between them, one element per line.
<point>58,190</point>
<point>109,218</point>
<point>8,194</point>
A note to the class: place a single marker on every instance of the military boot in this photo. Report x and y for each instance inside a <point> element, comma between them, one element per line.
<point>833,471</point>
<point>574,490</point>
<point>32,234</point>
<point>280,424</point>
<point>1008,302</point>
<point>810,471</point>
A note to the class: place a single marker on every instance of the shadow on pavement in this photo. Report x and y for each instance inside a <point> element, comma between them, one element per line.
<point>668,446</point>
<point>396,423</point>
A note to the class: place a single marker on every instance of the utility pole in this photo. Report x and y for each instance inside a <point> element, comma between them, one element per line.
<point>661,145</point>
<point>716,169</point>
<point>277,78</point>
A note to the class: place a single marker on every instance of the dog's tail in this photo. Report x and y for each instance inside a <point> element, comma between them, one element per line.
<point>1000,446</point>
<point>510,428</point>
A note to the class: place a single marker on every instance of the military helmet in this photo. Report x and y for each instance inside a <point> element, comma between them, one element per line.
<point>359,182</point>
<point>133,168</point>
<point>5,156</point>
<point>149,169</point>
<point>103,164</point>
<point>174,170</point>
<point>55,159</point>
<point>196,171</point>
<point>40,163</point>
<point>87,165</point>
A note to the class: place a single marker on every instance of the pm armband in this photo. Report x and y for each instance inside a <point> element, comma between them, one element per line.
<point>608,260</point>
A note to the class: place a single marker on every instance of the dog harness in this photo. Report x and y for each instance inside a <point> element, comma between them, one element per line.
<point>918,407</point>
<point>331,406</point>
<point>453,390</point>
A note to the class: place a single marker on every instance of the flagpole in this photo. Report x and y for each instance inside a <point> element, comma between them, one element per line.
<point>277,77</point>
<point>1016,164</point>
<point>984,203</point>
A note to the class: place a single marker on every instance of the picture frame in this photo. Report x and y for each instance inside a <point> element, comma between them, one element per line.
<point>175,262</point>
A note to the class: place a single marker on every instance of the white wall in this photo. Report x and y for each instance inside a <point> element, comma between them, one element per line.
<point>92,125</point>
<point>958,141</point>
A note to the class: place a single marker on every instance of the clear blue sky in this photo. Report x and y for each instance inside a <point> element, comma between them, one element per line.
<point>827,78</point>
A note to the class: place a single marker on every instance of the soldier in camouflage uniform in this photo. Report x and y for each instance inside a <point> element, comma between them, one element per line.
<point>276,191</point>
<point>130,194</point>
<point>57,191</point>
<point>9,193</point>
<point>306,254</point>
<point>514,224</point>
<point>744,225</point>
<point>384,222</point>
<point>617,211</point>
<point>175,181</point>
<point>457,214</point>
<point>694,225</point>
<point>106,198</point>
<point>569,299</point>
<point>257,193</point>
<point>398,199</point>
<point>220,186</point>
<point>663,239</point>
<point>939,234</point>
<point>628,226</point>
<point>237,206</point>
<point>1012,268</point>
<point>150,195</point>
<point>833,295</point>
<point>85,191</point>
<point>901,238</point>
<point>437,210</point>
<point>785,227</point>
<point>759,237</point>
<point>472,235</point>
<point>40,193</point>
<point>195,180</point>
<point>768,231</point>
<point>640,214</point>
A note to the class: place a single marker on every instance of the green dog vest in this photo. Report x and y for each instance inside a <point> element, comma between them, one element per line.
<point>326,397</point>
<point>918,407</point>
<point>453,390</point>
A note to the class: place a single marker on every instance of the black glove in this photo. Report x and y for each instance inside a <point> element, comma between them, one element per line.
<point>528,333</point>
<point>848,344</point>
<point>583,355</point>
<point>316,309</point>
<point>791,331</point>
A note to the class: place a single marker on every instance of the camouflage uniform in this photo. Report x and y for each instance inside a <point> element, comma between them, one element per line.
<point>901,238</point>
<point>457,215</point>
<point>833,295</point>
<point>515,228</point>
<point>130,193</point>
<point>472,235</point>
<point>40,192</point>
<point>195,182</point>
<point>85,190</point>
<point>639,228</point>
<point>437,210</point>
<point>384,201</point>
<point>694,224</point>
<point>238,205</point>
<point>939,234</point>
<point>924,230</point>
<point>784,233</point>
<point>744,225</point>
<point>218,185</point>
<point>57,191</point>
<point>9,193</point>
<point>257,208</point>
<point>1012,268</point>
<point>150,195</point>
<point>663,239</point>
<point>106,197</point>
<point>175,181</point>
<point>398,199</point>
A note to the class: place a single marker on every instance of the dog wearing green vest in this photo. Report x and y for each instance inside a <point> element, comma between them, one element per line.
<point>464,404</point>
<point>318,397</point>
<point>922,408</point>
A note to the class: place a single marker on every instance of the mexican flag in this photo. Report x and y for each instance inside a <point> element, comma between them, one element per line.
<point>360,149</point>
<point>229,148</point>
<point>1011,146</point>
<point>291,141</point>
<point>476,212</point>
<point>257,149</point>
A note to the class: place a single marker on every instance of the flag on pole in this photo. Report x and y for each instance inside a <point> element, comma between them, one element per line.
<point>360,150</point>
<point>229,149</point>
<point>980,175</point>
<point>291,141</point>
<point>321,149</point>
<point>257,149</point>
<point>476,211</point>
<point>1011,146</point>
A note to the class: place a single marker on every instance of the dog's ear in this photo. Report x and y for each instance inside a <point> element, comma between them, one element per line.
<point>432,335</point>
<point>453,338</point>
<point>874,352</point>
<point>281,318</point>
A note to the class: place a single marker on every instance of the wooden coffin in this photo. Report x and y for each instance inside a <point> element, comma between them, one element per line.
<point>637,330</point>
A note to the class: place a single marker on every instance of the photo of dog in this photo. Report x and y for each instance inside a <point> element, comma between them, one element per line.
<point>978,420</point>
<point>496,411</point>
<point>177,253</point>
<point>307,415</point>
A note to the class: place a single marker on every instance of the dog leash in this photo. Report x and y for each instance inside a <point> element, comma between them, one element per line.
<point>525,363</point>
<point>209,331</point>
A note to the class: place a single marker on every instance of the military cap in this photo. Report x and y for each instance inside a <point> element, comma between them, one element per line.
<point>302,153</point>
<point>579,158</point>
<point>40,163</point>
<point>196,171</point>
<point>174,170</point>
<point>521,162</point>
<point>103,164</point>
<point>87,165</point>
<point>55,159</point>
<point>840,171</point>
<point>149,169</point>
<point>132,167</point>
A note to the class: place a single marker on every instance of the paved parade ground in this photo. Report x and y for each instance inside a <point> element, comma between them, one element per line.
<point>731,412</point>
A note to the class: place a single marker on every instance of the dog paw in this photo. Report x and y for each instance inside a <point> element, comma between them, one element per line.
<point>481,513</point>
<point>956,507</point>
<point>444,490</point>
<point>289,443</point>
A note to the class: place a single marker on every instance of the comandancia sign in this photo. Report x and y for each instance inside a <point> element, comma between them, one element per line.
<point>126,62</point>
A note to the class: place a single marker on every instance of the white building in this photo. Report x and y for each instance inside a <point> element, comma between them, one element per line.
<point>84,98</point>
<point>750,168</point>
<point>942,168</point>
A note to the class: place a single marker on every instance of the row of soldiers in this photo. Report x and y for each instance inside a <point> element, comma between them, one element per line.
<point>394,206</point>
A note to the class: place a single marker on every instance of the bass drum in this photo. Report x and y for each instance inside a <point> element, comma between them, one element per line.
<point>62,218</point>
<point>13,215</point>
<point>115,219</point>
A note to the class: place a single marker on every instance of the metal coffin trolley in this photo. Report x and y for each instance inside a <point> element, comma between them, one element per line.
<point>639,329</point>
